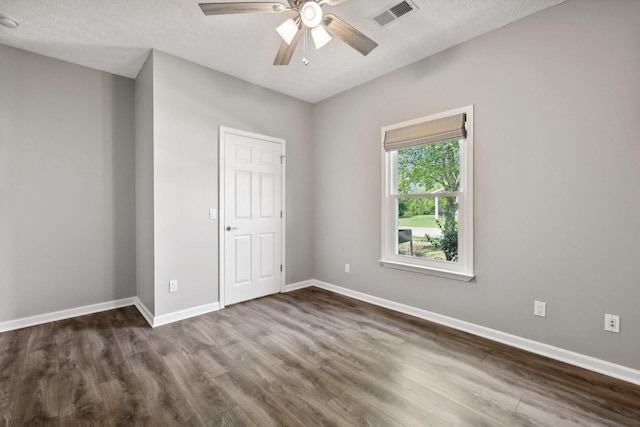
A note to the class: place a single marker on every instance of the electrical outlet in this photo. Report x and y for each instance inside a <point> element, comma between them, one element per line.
<point>173,286</point>
<point>347,268</point>
<point>612,323</point>
<point>540,308</point>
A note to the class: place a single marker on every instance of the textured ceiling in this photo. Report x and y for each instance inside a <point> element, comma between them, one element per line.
<point>116,36</point>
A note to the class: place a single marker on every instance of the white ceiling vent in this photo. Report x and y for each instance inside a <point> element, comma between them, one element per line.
<point>392,13</point>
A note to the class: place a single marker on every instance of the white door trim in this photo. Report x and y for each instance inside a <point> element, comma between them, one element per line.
<point>223,131</point>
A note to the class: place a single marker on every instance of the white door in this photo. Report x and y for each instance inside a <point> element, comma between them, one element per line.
<point>252,224</point>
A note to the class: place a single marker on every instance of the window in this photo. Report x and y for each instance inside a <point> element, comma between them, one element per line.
<point>427,205</point>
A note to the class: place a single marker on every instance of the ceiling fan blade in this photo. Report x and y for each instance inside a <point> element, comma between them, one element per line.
<point>345,32</point>
<point>234,7</point>
<point>286,50</point>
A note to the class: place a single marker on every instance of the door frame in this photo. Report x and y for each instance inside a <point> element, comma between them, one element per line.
<point>223,131</point>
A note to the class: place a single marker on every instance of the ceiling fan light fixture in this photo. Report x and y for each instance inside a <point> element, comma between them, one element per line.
<point>320,36</point>
<point>287,30</point>
<point>311,14</point>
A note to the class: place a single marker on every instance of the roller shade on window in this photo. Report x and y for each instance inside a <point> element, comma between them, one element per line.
<point>431,132</point>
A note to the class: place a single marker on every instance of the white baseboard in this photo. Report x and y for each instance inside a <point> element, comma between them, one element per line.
<point>146,313</point>
<point>64,314</point>
<point>182,314</point>
<point>110,305</point>
<point>299,285</point>
<point>587,362</point>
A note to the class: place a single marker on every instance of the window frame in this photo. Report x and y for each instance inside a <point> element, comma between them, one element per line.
<point>463,268</point>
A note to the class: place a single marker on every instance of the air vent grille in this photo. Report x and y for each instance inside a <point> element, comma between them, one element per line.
<point>401,9</point>
<point>392,13</point>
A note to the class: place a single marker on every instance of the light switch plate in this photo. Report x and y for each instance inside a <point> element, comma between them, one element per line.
<point>213,214</point>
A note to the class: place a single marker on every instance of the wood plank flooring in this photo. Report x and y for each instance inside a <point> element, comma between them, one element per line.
<point>306,358</point>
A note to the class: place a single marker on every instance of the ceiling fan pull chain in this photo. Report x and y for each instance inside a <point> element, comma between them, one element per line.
<point>305,61</point>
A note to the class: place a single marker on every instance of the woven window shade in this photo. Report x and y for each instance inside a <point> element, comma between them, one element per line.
<point>431,132</point>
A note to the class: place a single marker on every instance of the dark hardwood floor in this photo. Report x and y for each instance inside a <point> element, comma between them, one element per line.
<point>307,358</point>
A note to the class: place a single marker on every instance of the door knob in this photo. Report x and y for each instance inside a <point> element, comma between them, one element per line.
<point>229,228</point>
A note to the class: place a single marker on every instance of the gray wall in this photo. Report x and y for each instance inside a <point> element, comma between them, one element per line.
<point>144,185</point>
<point>190,102</point>
<point>67,214</point>
<point>557,101</point>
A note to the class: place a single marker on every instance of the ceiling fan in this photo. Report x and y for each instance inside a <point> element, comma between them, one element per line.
<point>309,16</point>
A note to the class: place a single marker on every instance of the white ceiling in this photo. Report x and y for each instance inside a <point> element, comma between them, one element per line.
<point>117,35</point>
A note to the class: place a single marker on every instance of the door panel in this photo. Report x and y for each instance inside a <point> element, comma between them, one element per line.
<point>267,196</point>
<point>267,250</point>
<point>253,224</point>
<point>242,191</point>
<point>242,255</point>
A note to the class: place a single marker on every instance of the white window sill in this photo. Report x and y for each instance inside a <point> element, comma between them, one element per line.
<point>456,275</point>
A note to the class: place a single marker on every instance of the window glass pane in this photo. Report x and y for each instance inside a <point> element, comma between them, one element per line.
<point>428,228</point>
<point>429,168</point>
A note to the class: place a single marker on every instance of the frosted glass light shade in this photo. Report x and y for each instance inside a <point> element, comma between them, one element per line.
<point>287,30</point>
<point>320,36</point>
<point>311,14</point>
